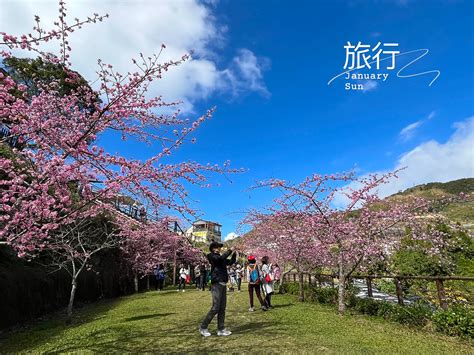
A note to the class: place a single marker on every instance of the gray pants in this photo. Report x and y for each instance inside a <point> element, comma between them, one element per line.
<point>219,300</point>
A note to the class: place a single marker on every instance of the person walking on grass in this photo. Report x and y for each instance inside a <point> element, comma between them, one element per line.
<point>231,272</point>
<point>276,275</point>
<point>183,274</point>
<point>238,276</point>
<point>197,275</point>
<point>202,277</point>
<point>254,278</point>
<point>160,277</point>
<point>267,279</point>
<point>219,278</point>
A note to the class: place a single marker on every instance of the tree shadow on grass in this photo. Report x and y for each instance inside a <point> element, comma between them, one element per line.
<point>147,316</point>
<point>255,327</point>
<point>282,305</point>
<point>53,326</point>
<point>176,339</point>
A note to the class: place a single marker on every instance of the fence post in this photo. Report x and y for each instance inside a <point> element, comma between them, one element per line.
<point>294,277</point>
<point>399,291</point>
<point>369,287</point>
<point>441,294</point>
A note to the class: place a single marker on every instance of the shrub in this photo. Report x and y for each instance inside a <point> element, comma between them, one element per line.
<point>385,309</point>
<point>350,297</point>
<point>457,320</point>
<point>367,306</point>
<point>323,295</point>
<point>293,288</point>
<point>385,285</point>
<point>415,315</point>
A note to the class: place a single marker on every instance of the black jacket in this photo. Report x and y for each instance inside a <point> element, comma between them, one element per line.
<point>219,266</point>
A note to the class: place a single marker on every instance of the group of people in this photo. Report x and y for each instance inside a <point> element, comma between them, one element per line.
<point>235,277</point>
<point>225,275</point>
<point>261,278</point>
<point>202,277</point>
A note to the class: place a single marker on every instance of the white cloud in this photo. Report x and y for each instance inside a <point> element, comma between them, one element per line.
<point>409,131</point>
<point>432,162</point>
<point>370,85</point>
<point>246,73</point>
<point>231,236</point>
<point>142,26</point>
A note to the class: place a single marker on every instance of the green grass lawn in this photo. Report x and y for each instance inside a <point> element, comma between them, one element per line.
<point>168,322</point>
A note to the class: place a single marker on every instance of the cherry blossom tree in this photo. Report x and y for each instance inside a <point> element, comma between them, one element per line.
<point>283,236</point>
<point>150,244</point>
<point>73,246</point>
<point>146,246</point>
<point>346,238</point>
<point>48,183</point>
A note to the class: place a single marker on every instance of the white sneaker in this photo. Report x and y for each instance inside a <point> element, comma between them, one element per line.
<point>177,290</point>
<point>224,332</point>
<point>183,290</point>
<point>204,332</point>
<point>251,309</point>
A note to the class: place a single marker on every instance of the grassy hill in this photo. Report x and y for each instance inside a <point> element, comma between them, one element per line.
<point>459,211</point>
<point>454,187</point>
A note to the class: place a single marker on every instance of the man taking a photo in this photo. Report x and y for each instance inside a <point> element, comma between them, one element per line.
<point>219,278</point>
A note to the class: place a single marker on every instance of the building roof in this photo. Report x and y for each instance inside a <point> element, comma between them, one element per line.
<point>201,221</point>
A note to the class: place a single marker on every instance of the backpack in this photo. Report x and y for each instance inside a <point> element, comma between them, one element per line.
<point>254,275</point>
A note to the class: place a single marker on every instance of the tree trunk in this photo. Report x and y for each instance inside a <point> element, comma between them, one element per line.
<point>281,289</point>
<point>135,279</point>
<point>370,293</point>
<point>284,276</point>
<point>441,294</point>
<point>399,291</point>
<point>301,282</point>
<point>174,269</point>
<point>148,283</point>
<point>341,291</point>
<point>71,300</point>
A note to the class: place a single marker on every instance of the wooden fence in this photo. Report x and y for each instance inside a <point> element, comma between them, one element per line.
<point>439,280</point>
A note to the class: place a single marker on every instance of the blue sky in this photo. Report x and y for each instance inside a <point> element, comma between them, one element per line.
<point>306,126</point>
<point>266,64</point>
